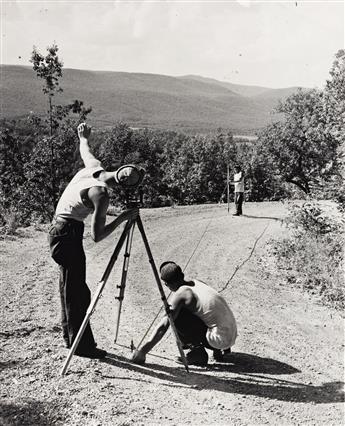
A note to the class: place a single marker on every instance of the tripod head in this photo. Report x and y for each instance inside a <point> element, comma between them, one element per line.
<point>134,198</point>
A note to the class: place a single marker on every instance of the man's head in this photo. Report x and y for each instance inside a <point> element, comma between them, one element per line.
<point>128,176</point>
<point>237,168</point>
<point>172,275</point>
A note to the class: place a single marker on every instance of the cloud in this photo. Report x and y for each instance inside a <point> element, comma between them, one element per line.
<point>245,3</point>
<point>266,43</point>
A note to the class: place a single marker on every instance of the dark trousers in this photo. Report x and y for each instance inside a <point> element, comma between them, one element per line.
<point>238,202</point>
<point>66,247</point>
<point>191,329</point>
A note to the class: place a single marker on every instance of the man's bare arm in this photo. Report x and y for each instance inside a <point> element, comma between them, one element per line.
<point>86,155</point>
<point>99,229</point>
<point>241,177</point>
<point>157,335</point>
<point>185,299</point>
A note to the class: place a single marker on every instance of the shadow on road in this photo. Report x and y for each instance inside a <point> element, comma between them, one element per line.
<point>247,363</point>
<point>263,217</point>
<point>246,384</point>
<point>31,412</point>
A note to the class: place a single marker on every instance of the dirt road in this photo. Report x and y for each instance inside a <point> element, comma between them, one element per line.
<point>288,359</point>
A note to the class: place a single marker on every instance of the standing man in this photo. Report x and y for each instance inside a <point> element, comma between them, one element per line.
<point>239,190</point>
<point>202,318</point>
<point>86,194</point>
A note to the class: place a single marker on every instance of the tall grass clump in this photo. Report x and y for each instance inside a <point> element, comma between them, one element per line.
<point>311,256</point>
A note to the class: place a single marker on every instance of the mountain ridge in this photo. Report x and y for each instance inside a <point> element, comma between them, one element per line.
<point>247,90</point>
<point>186,103</point>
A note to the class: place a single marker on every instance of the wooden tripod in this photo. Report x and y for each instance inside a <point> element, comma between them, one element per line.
<point>127,235</point>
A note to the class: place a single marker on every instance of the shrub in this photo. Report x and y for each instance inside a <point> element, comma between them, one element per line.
<point>9,220</point>
<point>161,201</point>
<point>312,256</point>
<point>311,218</point>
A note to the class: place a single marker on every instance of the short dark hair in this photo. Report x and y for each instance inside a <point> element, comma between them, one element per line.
<point>171,272</point>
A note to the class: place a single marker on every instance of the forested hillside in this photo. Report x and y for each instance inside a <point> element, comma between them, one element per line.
<point>145,100</point>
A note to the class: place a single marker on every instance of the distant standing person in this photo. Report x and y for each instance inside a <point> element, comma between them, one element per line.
<point>239,190</point>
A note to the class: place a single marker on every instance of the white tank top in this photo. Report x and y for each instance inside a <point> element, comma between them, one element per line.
<point>239,186</point>
<point>214,311</point>
<point>70,205</point>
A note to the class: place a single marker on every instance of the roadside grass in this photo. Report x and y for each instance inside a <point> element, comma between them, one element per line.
<point>311,255</point>
<point>10,221</point>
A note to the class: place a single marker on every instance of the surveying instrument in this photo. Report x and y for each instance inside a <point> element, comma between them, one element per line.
<point>129,177</point>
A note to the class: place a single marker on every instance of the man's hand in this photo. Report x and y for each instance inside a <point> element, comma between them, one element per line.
<point>83,131</point>
<point>138,357</point>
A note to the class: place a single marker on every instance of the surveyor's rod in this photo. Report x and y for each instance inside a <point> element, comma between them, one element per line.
<point>160,287</point>
<point>227,186</point>
<point>122,285</point>
<point>96,296</point>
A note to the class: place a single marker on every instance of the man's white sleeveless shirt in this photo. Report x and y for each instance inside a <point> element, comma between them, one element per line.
<point>214,311</point>
<point>70,205</point>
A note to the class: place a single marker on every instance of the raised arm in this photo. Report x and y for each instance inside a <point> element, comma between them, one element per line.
<point>86,155</point>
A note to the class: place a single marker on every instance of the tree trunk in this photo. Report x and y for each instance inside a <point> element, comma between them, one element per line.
<point>50,116</point>
<point>52,155</point>
<point>304,188</point>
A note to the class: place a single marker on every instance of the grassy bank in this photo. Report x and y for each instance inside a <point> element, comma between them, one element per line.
<point>311,255</point>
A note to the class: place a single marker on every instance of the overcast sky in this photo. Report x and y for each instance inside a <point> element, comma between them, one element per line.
<point>267,43</point>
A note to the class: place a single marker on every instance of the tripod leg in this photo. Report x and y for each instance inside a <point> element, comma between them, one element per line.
<point>160,287</point>
<point>122,286</point>
<point>96,296</point>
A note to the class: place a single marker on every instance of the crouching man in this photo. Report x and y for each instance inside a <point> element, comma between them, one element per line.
<point>202,318</point>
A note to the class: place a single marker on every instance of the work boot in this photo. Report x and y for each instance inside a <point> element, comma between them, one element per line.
<point>197,356</point>
<point>222,355</point>
<point>187,346</point>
